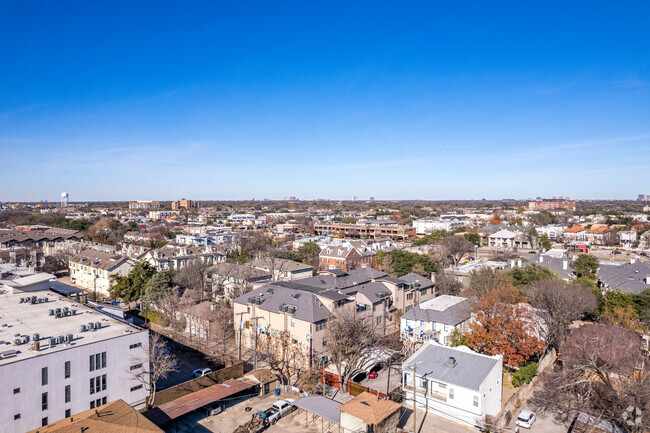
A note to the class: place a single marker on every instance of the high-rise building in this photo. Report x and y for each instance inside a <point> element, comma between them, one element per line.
<point>641,197</point>
<point>355,197</point>
<point>185,204</point>
<point>145,205</point>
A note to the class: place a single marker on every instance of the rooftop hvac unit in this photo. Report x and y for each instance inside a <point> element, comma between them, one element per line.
<point>52,341</point>
<point>68,338</point>
<point>74,312</point>
<point>25,339</point>
<point>291,309</point>
<point>98,325</point>
<point>8,354</point>
<point>58,310</point>
<point>51,312</point>
<point>91,326</point>
<point>251,300</point>
<point>21,300</point>
<point>82,328</point>
<point>36,337</point>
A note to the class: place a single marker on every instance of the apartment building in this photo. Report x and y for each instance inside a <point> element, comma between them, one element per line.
<point>62,358</point>
<point>344,258</point>
<point>145,205</point>
<point>283,270</point>
<point>92,269</point>
<point>437,318</point>
<point>365,229</point>
<point>552,204</point>
<point>426,226</point>
<point>185,204</point>
<point>176,256</point>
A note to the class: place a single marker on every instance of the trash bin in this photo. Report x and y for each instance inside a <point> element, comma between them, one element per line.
<point>277,392</point>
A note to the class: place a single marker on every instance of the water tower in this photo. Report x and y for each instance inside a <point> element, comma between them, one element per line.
<point>65,199</point>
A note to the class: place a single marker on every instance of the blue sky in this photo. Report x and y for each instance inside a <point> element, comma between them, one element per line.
<point>396,100</point>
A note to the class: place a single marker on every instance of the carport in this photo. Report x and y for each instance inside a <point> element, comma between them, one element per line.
<point>190,402</point>
<point>320,407</point>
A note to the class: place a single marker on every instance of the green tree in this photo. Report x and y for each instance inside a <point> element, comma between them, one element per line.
<point>159,284</point>
<point>546,242</point>
<point>431,238</point>
<point>403,262</point>
<point>131,287</point>
<point>533,272</point>
<point>586,266</point>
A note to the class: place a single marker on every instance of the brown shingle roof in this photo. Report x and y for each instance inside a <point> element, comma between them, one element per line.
<point>365,406</point>
<point>114,417</point>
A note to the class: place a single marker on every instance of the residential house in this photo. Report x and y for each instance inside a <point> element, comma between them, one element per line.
<point>574,234</point>
<point>344,258</point>
<point>561,266</point>
<point>436,318</point>
<point>366,413</point>
<point>644,240</point>
<point>601,236</point>
<point>92,269</point>
<point>627,238</point>
<point>232,279</point>
<point>632,277</point>
<point>502,239</point>
<point>176,256</point>
<point>463,273</point>
<point>282,269</point>
<point>454,382</point>
<point>553,231</point>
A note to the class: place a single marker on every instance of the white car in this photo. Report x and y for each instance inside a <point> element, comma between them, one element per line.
<point>201,372</point>
<point>526,419</point>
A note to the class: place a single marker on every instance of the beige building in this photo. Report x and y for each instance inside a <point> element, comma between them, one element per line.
<point>93,269</point>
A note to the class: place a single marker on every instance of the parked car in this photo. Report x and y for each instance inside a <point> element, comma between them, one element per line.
<point>201,372</point>
<point>532,252</point>
<point>526,419</point>
<point>279,409</point>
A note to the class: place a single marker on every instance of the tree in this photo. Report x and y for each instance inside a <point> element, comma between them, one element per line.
<point>546,242</point>
<point>523,276</point>
<point>403,262</point>
<point>601,373</point>
<point>159,284</point>
<point>486,279</point>
<point>193,276</point>
<point>309,253</point>
<point>131,287</point>
<point>504,326</point>
<point>156,363</point>
<point>624,317</point>
<point>447,284</point>
<point>496,218</point>
<point>586,266</point>
<point>558,304</point>
<point>455,248</point>
<point>285,355</point>
<point>349,338</point>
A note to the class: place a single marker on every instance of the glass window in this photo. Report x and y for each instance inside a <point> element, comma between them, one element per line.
<point>17,416</point>
<point>103,382</point>
<point>16,390</point>
<point>135,388</point>
<point>44,422</point>
<point>44,401</point>
<point>67,394</point>
<point>103,359</point>
<point>92,385</point>
<point>67,413</point>
<point>67,369</point>
<point>92,404</point>
<point>98,362</point>
<point>103,400</point>
<point>97,384</point>
<point>92,362</point>
<point>476,401</point>
<point>44,376</point>
<point>451,393</point>
<point>135,367</point>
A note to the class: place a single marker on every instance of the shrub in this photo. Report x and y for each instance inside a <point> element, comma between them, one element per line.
<point>157,318</point>
<point>525,374</point>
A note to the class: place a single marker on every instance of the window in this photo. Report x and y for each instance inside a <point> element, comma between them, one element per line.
<point>92,404</point>
<point>133,346</point>
<point>103,382</point>
<point>17,416</point>
<point>44,401</point>
<point>378,320</point>
<point>67,394</point>
<point>324,341</point>
<point>44,376</point>
<point>98,402</point>
<point>92,385</point>
<point>92,362</point>
<point>16,390</point>
<point>104,400</point>
<point>135,388</point>
<point>451,393</point>
<point>446,327</point>
<point>320,326</point>
<point>293,323</point>
<point>97,384</point>
<point>135,367</point>
<point>103,359</point>
<point>476,401</point>
<point>67,413</point>
<point>44,422</point>
<point>98,362</point>
<point>424,384</point>
<point>67,369</point>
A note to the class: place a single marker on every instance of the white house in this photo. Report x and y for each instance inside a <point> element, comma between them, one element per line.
<point>502,239</point>
<point>454,382</point>
<point>436,318</point>
<point>283,269</point>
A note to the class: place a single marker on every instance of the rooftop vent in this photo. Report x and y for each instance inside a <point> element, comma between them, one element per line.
<point>451,362</point>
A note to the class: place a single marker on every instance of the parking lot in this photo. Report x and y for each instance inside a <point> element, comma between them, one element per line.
<point>188,360</point>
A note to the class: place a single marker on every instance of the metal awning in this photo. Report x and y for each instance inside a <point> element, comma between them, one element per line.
<point>320,406</point>
<point>187,403</point>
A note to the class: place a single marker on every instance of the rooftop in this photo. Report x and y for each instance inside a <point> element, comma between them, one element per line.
<point>367,407</point>
<point>27,319</point>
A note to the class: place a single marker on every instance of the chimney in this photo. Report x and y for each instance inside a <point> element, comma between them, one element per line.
<point>519,263</point>
<point>565,264</point>
<point>512,264</point>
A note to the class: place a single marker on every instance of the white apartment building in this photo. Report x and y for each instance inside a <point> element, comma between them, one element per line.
<point>425,226</point>
<point>436,318</point>
<point>159,214</point>
<point>240,218</point>
<point>454,382</point>
<point>62,358</point>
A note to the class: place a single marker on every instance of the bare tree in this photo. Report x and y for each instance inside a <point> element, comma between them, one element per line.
<point>220,333</point>
<point>485,279</point>
<point>349,338</point>
<point>193,277</point>
<point>602,373</point>
<point>284,355</point>
<point>558,304</point>
<point>447,284</point>
<point>156,362</point>
<point>455,248</point>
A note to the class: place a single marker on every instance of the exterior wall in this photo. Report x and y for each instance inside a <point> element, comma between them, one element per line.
<point>91,278</point>
<point>351,424</point>
<point>26,375</point>
<point>443,330</point>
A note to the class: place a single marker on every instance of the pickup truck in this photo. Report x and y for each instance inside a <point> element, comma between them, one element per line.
<point>279,409</point>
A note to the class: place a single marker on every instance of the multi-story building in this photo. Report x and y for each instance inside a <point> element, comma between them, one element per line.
<point>176,256</point>
<point>437,318</point>
<point>552,204</point>
<point>145,205</point>
<point>63,358</point>
<point>185,204</point>
<point>365,229</point>
<point>92,269</point>
<point>241,218</point>
<point>425,226</point>
<point>601,236</point>
<point>160,214</point>
<point>574,234</point>
<point>283,270</point>
<point>344,258</point>
<point>454,382</point>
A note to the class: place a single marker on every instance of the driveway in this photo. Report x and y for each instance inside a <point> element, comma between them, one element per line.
<point>428,422</point>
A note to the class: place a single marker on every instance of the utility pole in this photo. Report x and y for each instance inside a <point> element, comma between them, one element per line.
<point>239,333</point>
<point>414,407</point>
<point>388,383</point>
<point>255,330</point>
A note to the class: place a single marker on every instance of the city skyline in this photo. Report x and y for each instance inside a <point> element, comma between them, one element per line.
<point>228,101</point>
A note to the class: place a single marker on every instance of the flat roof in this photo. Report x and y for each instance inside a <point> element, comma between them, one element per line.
<point>29,319</point>
<point>321,406</point>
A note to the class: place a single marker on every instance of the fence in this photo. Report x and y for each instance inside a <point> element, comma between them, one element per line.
<point>351,388</point>
<point>520,395</point>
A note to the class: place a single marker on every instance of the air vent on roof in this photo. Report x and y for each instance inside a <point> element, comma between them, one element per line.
<point>296,295</point>
<point>451,362</point>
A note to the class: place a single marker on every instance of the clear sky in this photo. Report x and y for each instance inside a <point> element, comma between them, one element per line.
<point>396,100</point>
